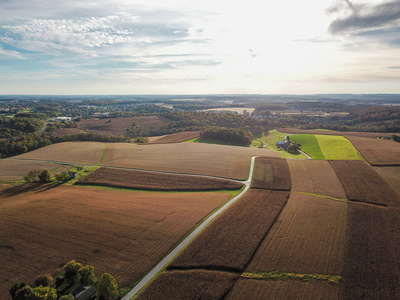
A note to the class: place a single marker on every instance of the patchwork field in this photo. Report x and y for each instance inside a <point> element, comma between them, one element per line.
<point>378,152</point>
<point>371,264</point>
<point>271,173</point>
<point>14,170</point>
<point>193,158</point>
<point>69,152</point>
<point>372,135</point>
<point>307,238</point>
<point>118,125</point>
<point>315,177</point>
<point>391,175</point>
<point>363,184</point>
<point>229,242</point>
<point>156,181</point>
<point>309,144</point>
<point>174,138</point>
<point>190,284</point>
<point>283,290</point>
<point>337,147</point>
<point>119,232</point>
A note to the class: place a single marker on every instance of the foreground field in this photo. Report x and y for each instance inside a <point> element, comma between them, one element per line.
<point>69,152</point>
<point>193,158</point>
<point>378,152</point>
<point>315,177</point>
<point>307,238</point>
<point>15,170</point>
<point>156,181</point>
<point>119,232</point>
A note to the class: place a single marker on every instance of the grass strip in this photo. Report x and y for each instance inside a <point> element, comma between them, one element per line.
<point>102,155</point>
<point>322,196</point>
<point>276,275</point>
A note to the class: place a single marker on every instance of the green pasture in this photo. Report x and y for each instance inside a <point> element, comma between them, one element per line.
<point>309,144</point>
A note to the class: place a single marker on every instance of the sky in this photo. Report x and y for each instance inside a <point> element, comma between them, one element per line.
<point>53,47</point>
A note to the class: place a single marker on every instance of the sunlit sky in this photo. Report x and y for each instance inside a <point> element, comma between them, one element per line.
<point>199,47</point>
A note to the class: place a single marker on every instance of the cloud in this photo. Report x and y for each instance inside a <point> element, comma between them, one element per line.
<point>364,17</point>
<point>10,53</point>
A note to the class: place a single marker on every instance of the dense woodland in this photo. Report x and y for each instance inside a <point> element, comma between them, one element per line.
<point>22,122</point>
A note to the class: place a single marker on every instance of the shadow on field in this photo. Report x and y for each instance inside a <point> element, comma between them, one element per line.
<point>28,187</point>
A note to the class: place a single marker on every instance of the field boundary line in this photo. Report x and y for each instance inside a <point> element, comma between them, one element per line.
<point>277,275</point>
<point>164,262</point>
<point>322,196</point>
<point>102,155</point>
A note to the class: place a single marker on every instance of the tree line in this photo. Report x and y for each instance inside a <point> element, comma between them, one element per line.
<point>231,135</point>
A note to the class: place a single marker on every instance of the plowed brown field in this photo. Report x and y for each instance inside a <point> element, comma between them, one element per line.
<point>246,289</point>
<point>67,131</point>
<point>307,238</point>
<point>316,177</point>
<point>118,232</point>
<point>69,152</point>
<point>362,183</point>
<point>371,264</point>
<point>191,284</point>
<point>12,169</point>
<point>391,175</point>
<point>118,125</point>
<point>192,158</point>
<point>174,138</point>
<point>230,240</point>
<point>271,173</point>
<point>347,134</point>
<point>378,152</point>
<point>156,181</point>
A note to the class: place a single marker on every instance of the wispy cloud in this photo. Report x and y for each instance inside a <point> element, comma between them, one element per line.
<point>10,53</point>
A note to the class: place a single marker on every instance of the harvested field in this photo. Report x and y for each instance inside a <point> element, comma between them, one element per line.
<point>378,152</point>
<point>371,264</point>
<point>229,242</point>
<point>118,125</point>
<point>119,232</point>
<point>391,175</point>
<point>307,238</point>
<point>190,158</point>
<point>68,152</point>
<point>12,169</point>
<point>67,131</point>
<point>271,173</point>
<point>315,177</point>
<point>283,290</point>
<point>363,184</point>
<point>156,181</point>
<point>372,135</point>
<point>175,138</point>
<point>191,284</point>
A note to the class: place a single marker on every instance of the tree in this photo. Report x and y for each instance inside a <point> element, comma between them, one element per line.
<point>67,297</point>
<point>45,176</point>
<point>86,275</point>
<point>32,176</point>
<point>71,270</point>
<point>64,176</point>
<point>44,280</point>
<point>107,288</point>
<point>293,148</point>
<point>15,288</point>
<point>43,293</point>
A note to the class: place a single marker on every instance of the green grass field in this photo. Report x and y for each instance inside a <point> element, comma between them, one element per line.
<point>337,147</point>
<point>309,144</point>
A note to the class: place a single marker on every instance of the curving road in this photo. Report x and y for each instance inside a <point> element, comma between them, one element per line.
<point>163,263</point>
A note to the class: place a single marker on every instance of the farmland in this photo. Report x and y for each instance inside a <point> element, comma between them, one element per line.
<point>307,238</point>
<point>195,158</point>
<point>378,152</point>
<point>363,184</point>
<point>175,137</point>
<point>156,181</point>
<point>221,245</point>
<point>119,232</point>
<point>372,135</point>
<point>391,175</point>
<point>271,173</point>
<point>190,284</point>
<point>315,177</point>
<point>309,144</point>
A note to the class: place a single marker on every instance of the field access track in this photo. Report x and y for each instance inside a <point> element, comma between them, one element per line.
<point>221,245</point>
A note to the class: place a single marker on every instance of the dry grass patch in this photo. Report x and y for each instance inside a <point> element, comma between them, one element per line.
<point>363,184</point>
<point>271,173</point>
<point>174,138</point>
<point>69,152</point>
<point>378,152</point>
<point>283,290</point>
<point>156,181</point>
<point>119,232</point>
<point>229,241</point>
<point>308,237</point>
<point>189,158</point>
<point>191,284</point>
<point>315,177</point>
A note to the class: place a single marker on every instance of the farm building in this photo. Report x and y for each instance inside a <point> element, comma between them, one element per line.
<point>72,175</point>
<point>84,293</point>
<point>282,145</point>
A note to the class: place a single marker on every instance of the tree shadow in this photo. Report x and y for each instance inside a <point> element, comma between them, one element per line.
<point>36,187</point>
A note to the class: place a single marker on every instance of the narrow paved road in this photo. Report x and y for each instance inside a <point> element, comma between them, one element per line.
<point>162,264</point>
